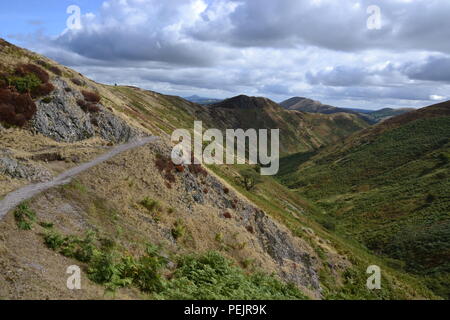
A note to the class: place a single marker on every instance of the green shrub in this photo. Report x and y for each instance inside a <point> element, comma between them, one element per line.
<point>47,100</point>
<point>210,276</point>
<point>25,83</point>
<point>179,229</point>
<point>46,225</point>
<point>150,204</point>
<point>53,240</point>
<point>24,217</point>
<point>205,276</point>
<point>71,246</point>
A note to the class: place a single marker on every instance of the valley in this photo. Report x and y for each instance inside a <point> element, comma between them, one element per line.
<point>349,194</point>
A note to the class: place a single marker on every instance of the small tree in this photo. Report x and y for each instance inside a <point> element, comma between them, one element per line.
<point>249,178</point>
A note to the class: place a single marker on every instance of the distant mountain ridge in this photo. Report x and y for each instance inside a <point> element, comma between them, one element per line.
<point>299,131</point>
<point>201,100</point>
<point>309,105</point>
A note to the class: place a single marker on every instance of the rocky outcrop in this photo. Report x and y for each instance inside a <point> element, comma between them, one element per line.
<point>112,128</point>
<point>279,244</point>
<point>22,170</point>
<point>60,117</point>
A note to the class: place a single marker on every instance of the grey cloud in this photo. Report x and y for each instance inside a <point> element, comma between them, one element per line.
<point>339,76</point>
<point>336,25</point>
<point>433,69</point>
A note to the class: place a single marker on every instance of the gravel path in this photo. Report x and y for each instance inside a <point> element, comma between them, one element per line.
<point>14,198</point>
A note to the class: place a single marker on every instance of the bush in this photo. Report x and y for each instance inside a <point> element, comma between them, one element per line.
<point>211,276</point>
<point>55,70</point>
<point>47,100</point>
<point>92,108</point>
<point>42,90</point>
<point>78,82</point>
<point>29,78</point>
<point>46,225</point>
<point>179,168</point>
<point>24,217</point>
<point>53,240</point>
<point>91,96</point>
<point>227,215</point>
<point>144,272</point>
<point>206,276</point>
<point>27,69</point>
<point>249,178</point>
<point>71,246</point>
<point>24,84</point>
<point>166,167</point>
<point>178,229</point>
<point>16,109</point>
<point>150,204</point>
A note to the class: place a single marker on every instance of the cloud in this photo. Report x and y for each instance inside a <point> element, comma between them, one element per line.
<point>137,30</point>
<point>434,68</point>
<point>335,25</point>
<point>320,49</point>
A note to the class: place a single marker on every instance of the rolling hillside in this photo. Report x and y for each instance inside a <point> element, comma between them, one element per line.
<point>299,131</point>
<point>309,105</point>
<point>140,227</point>
<point>387,186</point>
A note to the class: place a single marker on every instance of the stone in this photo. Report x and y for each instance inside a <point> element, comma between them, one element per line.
<point>62,119</point>
<point>19,170</point>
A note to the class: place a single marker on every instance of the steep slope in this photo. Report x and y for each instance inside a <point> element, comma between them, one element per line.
<point>388,187</point>
<point>299,131</point>
<point>141,227</point>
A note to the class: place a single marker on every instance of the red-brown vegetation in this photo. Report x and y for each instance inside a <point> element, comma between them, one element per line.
<point>92,97</point>
<point>24,69</point>
<point>78,82</point>
<point>227,215</point>
<point>15,108</point>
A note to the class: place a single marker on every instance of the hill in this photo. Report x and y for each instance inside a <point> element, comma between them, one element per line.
<point>299,131</point>
<point>138,226</point>
<point>387,187</point>
<point>309,105</point>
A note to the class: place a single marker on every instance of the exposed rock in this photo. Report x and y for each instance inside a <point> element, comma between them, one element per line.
<point>112,128</point>
<point>198,197</point>
<point>192,186</point>
<point>19,170</point>
<point>62,119</point>
<point>279,245</point>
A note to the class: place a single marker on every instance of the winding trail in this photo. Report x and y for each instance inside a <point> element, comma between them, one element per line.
<point>13,199</point>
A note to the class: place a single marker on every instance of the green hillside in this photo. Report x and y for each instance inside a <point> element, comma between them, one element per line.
<point>299,131</point>
<point>388,188</point>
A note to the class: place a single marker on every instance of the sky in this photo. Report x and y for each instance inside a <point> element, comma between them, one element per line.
<point>366,54</point>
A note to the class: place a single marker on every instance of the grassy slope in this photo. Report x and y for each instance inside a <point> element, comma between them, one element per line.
<point>298,214</point>
<point>388,188</point>
<point>161,114</point>
<point>299,131</point>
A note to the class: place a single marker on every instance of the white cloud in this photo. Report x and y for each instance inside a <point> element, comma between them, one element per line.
<point>321,49</point>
